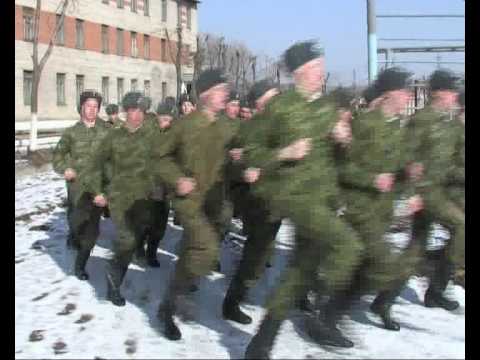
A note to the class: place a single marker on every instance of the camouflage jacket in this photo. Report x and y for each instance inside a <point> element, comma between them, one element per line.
<point>194,147</point>
<point>431,143</point>
<point>287,118</point>
<point>457,175</point>
<point>128,155</point>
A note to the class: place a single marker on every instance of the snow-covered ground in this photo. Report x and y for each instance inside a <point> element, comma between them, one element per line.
<point>58,316</point>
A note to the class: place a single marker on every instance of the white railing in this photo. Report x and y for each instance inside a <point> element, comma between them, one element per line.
<point>44,125</point>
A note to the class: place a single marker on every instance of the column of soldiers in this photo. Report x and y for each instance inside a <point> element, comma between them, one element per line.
<point>334,170</point>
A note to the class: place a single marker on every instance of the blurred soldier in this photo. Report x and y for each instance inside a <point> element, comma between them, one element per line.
<point>112,112</point>
<point>245,110</point>
<point>161,204</point>
<point>259,225</point>
<point>186,106</point>
<point>232,109</point>
<point>432,148</point>
<point>71,158</point>
<point>191,162</point>
<point>127,149</point>
<point>370,174</point>
<point>292,166</point>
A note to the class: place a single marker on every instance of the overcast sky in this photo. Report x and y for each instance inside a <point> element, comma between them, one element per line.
<point>270,26</point>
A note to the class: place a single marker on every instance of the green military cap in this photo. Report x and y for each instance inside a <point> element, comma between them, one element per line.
<point>301,53</point>
<point>90,94</point>
<point>258,89</point>
<point>135,100</point>
<point>208,79</point>
<point>111,109</point>
<point>342,96</point>
<point>442,79</point>
<point>244,103</point>
<point>148,102</point>
<point>390,79</point>
<point>233,96</point>
<point>167,108</point>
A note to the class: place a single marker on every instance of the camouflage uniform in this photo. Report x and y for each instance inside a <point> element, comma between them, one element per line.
<point>75,150</point>
<point>196,147</point>
<point>304,191</point>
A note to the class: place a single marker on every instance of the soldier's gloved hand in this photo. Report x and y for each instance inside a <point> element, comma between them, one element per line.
<point>185,185</point>
<point>236,154</point>
<point>69,174</point>
<point>296,150</point>
<point>415,171</point>
<point>100,201</point>
<point>415,204</point>
<point>251,175</point>
<point>384,182</point>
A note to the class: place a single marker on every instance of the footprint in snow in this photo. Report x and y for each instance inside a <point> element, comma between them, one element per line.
<point>131,346</point>
<point>69,308</point>
<point>84,318</point>
<point>40,297</point>
<point>36,335</point>
<point>60,347</point>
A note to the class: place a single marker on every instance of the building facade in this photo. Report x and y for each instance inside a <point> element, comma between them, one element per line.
<point>113,46</point>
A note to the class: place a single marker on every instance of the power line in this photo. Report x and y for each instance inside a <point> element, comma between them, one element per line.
<point>423,62</point>
<point>400,39</point>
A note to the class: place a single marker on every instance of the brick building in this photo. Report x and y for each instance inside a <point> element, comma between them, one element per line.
<point>109,45</point>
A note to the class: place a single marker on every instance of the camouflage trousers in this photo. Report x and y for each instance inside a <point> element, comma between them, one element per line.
<point>322,240</point>
<point>83,219</point>
<point>204,218</point>
<point>155,231</point>
<point>143,216</point>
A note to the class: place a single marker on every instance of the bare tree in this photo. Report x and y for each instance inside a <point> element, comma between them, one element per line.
<point>198,59</point>
<point>39,63</point>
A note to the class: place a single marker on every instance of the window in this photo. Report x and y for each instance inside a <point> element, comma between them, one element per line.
<point>60,40</point>
<point>133,5</point>
<point>146,46</point>
<point>134,44</point>
<point>120,4</point>
<point>61,89</point>
<point>120,42</point>
<point>164,10</point>
<point>133,85</point>
<point>189,17</point>
<point>105,1</point>
<point>119,90</point>
<point>79,86</point>
<point>105,86</point>
<point>27,87</point>
<point>105,39</point>
<point>164,90</point>
<point>28,24</point>
<point>146,7</point>
<point>163,50</point>
<point>146,86</point>
<point>80,36</point>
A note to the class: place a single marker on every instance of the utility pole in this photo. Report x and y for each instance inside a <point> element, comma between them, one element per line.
<point>372,41</point>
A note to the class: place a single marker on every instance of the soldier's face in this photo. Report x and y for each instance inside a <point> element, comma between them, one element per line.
<point>310,76</point>
<point>90,110</point>
<point>164,121</point>
<point>396,101</point>
<point>216,97</point>
<point>232,109</point>
<point>187,107</point>
<point>445,100</point>
<point>135,117</point>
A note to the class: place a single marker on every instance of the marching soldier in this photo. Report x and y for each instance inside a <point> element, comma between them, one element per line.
<point>71,158</point>
<point>432,148</point>
<point>292,168</point>
<point>127,149</point>
<point>191,162</point>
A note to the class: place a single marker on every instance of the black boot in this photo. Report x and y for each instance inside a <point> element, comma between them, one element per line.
<point>165,316</point>
<point>262,343</point>
<point>443,272</point>
<point>218,267</point>
<point>436,299</point>
<point>152,246</point>
<point>382,307</point>
<point>231,304</point>
<point>115,275</point>
<point>80,262</point>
